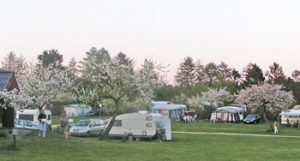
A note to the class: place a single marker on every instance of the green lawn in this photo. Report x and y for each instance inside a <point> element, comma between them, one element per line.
<point>182,147</point>
<point>205,126</point>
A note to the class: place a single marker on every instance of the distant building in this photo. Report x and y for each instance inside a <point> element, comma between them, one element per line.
<point>7,82</point>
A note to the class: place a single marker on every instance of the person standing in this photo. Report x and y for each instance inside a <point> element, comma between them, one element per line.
<point>43,123</point>
<point>64,124</point>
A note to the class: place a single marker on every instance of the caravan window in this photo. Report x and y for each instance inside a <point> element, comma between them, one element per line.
<point>117,123</point>
<point>26,117</point>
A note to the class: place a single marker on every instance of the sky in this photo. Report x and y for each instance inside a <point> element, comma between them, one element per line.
<point>234,31</point>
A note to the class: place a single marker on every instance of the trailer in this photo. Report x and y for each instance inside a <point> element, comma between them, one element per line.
<point>28,118</point>
<point>290,117</point>
<point>141,125</point>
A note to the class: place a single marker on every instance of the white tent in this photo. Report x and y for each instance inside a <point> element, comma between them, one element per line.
<point>227,114</point>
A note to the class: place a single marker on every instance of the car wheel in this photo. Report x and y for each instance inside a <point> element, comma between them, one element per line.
<point>130,138</point>
<point>88,134</point>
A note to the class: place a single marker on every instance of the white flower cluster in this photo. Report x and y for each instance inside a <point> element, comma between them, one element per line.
<point>269,95</point>
<point>13,100</point>
<point>213,97</point>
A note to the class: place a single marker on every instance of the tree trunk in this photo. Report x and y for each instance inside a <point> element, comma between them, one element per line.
<point>108,127</point>
<point>269,124</point>
<point>111,122</point>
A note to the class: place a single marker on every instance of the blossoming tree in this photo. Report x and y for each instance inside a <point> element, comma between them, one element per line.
<point>267,97</point>
<point>13,100</point>
<point>212,97</point>
<point>210,100</point>
<point>43,84</point>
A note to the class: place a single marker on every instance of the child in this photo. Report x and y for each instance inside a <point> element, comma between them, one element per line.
<point>275,128</point>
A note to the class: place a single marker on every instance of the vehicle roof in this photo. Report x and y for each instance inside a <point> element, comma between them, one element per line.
<point>168,107</point>
<point>231,109</point>
<point>291,112</point>
<point>137,115</point>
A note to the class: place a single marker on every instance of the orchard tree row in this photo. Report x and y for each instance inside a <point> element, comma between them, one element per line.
<point>119,85</point>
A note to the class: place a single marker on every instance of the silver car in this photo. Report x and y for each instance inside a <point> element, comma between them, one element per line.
<point>87,127</point>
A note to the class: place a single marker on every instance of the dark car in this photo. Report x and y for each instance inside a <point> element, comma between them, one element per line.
<point>93,113</point>
<point>252,119</point>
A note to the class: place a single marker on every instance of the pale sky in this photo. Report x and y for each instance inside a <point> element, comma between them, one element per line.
<point>234,31</point>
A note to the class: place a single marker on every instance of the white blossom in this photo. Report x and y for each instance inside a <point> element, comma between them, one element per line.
<point>13,100</point>
<point>266,94</point>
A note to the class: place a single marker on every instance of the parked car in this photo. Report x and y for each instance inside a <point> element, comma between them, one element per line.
<point>92,113</point>
<point>87,127</point>
<point>252,119</point>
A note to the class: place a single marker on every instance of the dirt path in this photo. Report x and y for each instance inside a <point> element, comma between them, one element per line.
<point>232,134</point>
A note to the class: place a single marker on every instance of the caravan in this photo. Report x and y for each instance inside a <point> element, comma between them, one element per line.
<point>290,117</point>
<point>140,125</point>
<point>28,118</point>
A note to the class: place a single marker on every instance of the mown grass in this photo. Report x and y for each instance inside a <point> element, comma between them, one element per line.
<point>205,126</point>
<point>183,147</point>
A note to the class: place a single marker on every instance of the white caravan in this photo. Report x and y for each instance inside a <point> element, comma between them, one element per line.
<point>32,115</point>
<point>138,125</point>
<point>291,117</point>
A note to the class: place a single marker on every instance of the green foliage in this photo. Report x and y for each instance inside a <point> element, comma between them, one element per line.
<point>211,72</point>
<point>253,75</point>
<point>275,75</point>
<point>166,92</point>
<point>185,75</point>
<point>290,85</point>
<point>50,57</point>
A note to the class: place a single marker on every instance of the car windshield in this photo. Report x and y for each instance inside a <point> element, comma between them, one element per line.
<point>251,116</point>
<point>83,123</point>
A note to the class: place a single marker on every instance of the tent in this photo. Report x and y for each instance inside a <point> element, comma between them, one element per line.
<point>227,114</point>
<point>168,109</point>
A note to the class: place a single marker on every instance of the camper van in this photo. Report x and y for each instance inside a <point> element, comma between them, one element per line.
<point>30,116</point>
<point>138,125</point>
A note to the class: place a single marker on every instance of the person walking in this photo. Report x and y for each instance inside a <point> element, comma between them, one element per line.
<point>43,123</point>
<point>64,124</point>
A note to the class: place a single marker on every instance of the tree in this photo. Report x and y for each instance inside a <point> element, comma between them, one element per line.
<point>210,100</point>
<point>267,98</point>
<point>16,64</point>
<point>72,68</point>
<point>149,78</point>
<point>236,77</point>
<point>11,99</point>
<point>199,70</point>
<point>211,73</point>
<point>50,57</point>
<point>253,75</point>
<point>225,73</point>
<point>112,79</point>
<point>275,75</point>
<point>296,75</point>
<point>185,75</point>
<point>44,84</point>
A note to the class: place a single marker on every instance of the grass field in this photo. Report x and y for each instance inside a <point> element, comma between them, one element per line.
<point>182,147</point>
